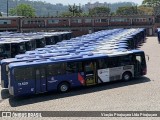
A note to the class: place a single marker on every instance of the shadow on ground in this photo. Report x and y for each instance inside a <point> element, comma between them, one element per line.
<point>20,101</point>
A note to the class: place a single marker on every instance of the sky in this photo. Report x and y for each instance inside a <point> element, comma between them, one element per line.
<point>82,2</point>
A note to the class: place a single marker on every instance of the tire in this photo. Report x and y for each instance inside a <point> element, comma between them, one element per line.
<point>126,76</point>
<point>63,87</point>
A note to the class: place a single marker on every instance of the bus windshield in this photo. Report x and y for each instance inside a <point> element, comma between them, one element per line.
<point>28,46</point>
<point>3,52</point>
<point>21,48</point>
<point>1,49</point>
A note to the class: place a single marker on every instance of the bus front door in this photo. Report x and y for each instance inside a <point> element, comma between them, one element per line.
<point>40,80</point>
<point>90,73</point>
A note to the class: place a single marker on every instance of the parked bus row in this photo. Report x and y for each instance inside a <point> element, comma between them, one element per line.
<point>12,44</point>
<point>40,50</point>
<point>95,58</point>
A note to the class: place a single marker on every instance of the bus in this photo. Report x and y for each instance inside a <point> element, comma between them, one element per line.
<point>62,73</point>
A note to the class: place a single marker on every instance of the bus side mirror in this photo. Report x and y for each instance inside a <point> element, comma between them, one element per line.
<point>147,57</point>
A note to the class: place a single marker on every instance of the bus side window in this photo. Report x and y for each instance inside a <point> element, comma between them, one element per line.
<point>7,47</point>
<point>50,70</point>
<point>113,62</point>
<point>19,73</point>
<point>29,74</point>
<point>23,74</point>
<point>56,69</point>
<point>71,67</point>
<point>102,63</point>
<point>63,68</point>
<point>59,69</point>
<point>43,73</point>
<point>126,60</point>
<point>79,67</point>
<point>1,49</point>
<point>89,67</point>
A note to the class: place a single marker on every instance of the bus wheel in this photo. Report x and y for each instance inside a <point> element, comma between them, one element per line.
<point>126,76</point>
<point>63,87</point>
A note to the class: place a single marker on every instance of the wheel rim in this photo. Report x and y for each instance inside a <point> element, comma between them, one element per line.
<point>126,77</point>
<point>64,88</point>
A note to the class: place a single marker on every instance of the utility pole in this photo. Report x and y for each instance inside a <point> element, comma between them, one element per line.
<point>7,8</point>
<point>16,8</point>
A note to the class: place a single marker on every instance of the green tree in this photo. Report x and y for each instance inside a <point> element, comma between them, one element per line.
<point>0,14</point>
<point>23,10</point>
<point>127,10</point>
<point>151,3</point>
<point>99,11</point>
<point>75,10</point>
<point>155,4</point>
<point>145,10</point>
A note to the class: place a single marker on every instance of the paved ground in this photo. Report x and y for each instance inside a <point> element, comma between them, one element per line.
<point>137,95</point>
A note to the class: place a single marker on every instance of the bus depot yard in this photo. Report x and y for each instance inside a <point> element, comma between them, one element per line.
<point>138,94</point>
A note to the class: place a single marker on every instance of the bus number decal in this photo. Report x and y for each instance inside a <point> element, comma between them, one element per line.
<point>22,83</point>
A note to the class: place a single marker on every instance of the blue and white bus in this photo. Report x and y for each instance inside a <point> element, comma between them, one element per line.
<point>64,72</point>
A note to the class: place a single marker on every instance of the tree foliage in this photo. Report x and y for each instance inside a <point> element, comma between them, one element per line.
<point>145,10</point>
<point>151,3</point>
<point>155,4</point>
<point>45,9</point>
<point>0,14</point>
<point>23,10</point>
<point>99,11</point>
<point>75,10</point>
<point>127,10</point>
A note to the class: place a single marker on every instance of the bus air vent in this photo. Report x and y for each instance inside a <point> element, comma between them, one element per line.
<point>19,57</point>
<point>31,56</point>
<point>41,60</point>
<point>29,61</point>
<point>90,54</point>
